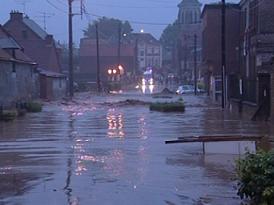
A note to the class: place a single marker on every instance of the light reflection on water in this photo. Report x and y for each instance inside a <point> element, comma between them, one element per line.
<point>86,162</point>
<point>115,124</point>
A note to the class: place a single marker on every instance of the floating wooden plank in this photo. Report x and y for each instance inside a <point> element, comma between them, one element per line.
<point>214,138</point>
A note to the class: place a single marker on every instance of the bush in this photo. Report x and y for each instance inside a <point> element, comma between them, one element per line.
<point>256,177</point>
<point>168,107</point>
<point>33,107</point>
<point>8,115</point>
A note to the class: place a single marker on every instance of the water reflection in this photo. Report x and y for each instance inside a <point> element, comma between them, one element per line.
<point>115,124</point>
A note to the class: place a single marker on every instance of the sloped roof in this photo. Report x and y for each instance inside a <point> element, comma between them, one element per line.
<point>20,57</point>
<point>144,37</point>
<point>50,73</point>
<point>35,28</point>
<point>88,48</point>
<point>8,43</point>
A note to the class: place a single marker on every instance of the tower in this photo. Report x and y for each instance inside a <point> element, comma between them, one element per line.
<point>189,21</point>
<point>189,12</point>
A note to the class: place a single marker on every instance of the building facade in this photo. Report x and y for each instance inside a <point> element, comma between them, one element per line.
<point>109,60</point>
<point>41,47</point>
<point>256,53</point>
<point>18,75</point>
<point>212,46</point>
<point>149,51</point>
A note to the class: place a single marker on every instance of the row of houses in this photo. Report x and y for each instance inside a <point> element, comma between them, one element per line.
<point>29,62</point>
<point>249,55</point>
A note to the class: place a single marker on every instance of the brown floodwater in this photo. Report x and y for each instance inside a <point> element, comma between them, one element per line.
<point>91,152</point>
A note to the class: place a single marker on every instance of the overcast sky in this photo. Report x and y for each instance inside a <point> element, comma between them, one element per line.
<point>136,11</point>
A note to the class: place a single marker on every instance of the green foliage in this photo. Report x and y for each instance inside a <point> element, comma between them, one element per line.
<point>34,107</point>
<point>167,107</point>
<point>256,177</point>
<point>108,28</point>
<point>8,115</point>
<point>170,35</point>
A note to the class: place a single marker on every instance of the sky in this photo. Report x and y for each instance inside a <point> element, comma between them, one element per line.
<point>138,12</point>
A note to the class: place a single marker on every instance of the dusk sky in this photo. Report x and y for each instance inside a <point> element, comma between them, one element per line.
<point>137,12</point>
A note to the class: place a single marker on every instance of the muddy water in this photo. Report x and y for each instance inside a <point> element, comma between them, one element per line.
<point>89,152</point>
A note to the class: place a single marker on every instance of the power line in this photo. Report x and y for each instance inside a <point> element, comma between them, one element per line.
<point>56,7</point>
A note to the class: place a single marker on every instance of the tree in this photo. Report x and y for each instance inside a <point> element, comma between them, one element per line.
<point>170,35</point>
<point>108,28</point>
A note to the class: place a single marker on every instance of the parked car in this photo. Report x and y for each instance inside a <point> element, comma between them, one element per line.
<point>183,89</point>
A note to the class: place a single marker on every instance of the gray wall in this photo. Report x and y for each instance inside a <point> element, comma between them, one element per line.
<point>22,86</point>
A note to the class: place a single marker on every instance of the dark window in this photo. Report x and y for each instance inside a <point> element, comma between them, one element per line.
<point>25,34</point>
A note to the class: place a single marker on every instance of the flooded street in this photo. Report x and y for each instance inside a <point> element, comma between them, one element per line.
<point>96,151</point>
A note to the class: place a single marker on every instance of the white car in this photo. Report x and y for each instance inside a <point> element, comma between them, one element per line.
<point>183,89</point>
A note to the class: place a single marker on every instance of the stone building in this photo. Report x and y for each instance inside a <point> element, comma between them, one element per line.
<point>41,47</point>
<point>189,23</point>
<point>18,74</point>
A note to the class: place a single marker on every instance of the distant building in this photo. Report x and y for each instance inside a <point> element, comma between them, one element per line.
<point>109,59</point>
<point>189,23</point>
<point>211,45</point>
<point>18,74</point>
<point>41,47</point>
<point>149,50</point>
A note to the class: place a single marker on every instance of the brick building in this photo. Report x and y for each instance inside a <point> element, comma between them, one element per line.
<point>211,44</point>
<point>108,60</point>
<point>255,90</point>
<point>41,47</point>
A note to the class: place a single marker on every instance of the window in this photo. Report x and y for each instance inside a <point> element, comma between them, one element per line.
<point>149,50</point>
<point>142,53</point>
<point>60,83</point>
<point>25,34</point>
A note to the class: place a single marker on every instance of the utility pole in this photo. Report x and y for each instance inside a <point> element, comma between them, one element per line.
<point>223,53</point>
<point>179,56</point>
<point>136,58</point>
<point>195,64</point>
<point>185,53</point>
<point>119,43</point>
<point>70,15</point>
<point>98,60</point>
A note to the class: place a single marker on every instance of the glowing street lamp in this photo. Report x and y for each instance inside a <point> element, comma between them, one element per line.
<point>121,69</point>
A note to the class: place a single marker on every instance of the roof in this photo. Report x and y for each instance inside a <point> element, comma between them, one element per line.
<point>185,3</point>
<point>88,48</point>
<point>35,27</point>
<point>20,57</point>
<point>8,43</point>
<point>144,37</point>
<point>219,6</point>
<point>6,40</point>
<point>50,73</point>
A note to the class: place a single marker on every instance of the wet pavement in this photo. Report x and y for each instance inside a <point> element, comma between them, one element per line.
<point>91,152</point>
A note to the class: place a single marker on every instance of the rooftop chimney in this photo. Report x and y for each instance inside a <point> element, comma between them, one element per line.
<point>16,16</point>
<point>49,39</point>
